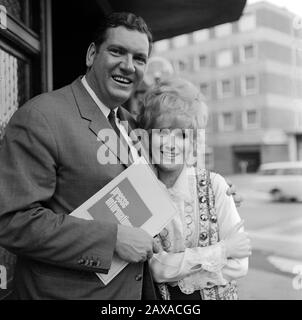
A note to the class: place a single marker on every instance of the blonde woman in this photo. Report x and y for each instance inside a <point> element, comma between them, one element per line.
<point>203,249</point>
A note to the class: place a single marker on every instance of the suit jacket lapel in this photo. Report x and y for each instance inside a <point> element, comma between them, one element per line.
<point>97,121</point>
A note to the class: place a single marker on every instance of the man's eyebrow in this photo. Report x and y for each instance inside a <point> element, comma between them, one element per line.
<point>117,46</point>
<point>120,47</point>
<point>141,55</point>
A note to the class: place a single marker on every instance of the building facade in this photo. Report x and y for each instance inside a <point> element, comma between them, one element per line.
<point>250,74</point>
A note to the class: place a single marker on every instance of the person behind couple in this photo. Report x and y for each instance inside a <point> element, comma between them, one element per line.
<point>49,167</point>
<point>204,248</point>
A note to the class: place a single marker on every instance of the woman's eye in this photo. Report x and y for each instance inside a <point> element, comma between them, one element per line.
<point>181,134</point>
<point>186,134</point>
<point>164,132</point>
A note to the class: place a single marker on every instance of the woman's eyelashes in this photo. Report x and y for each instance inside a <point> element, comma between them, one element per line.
<point>178,133</point>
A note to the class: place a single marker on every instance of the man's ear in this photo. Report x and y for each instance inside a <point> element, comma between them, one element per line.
<point>90,55</point>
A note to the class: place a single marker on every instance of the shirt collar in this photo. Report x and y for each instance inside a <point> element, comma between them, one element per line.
<point>95,98</point>
<point>182,188</point>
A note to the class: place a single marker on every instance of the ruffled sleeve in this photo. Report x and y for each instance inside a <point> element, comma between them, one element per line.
<point>194,268</point>
<point>171,267</point>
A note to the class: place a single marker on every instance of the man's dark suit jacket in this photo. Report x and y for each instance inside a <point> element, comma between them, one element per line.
<point>48,167</point>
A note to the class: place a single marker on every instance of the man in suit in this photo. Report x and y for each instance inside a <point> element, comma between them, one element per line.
<point>49,167</point>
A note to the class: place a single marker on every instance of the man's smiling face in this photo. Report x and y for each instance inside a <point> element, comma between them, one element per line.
<point>118,66</point>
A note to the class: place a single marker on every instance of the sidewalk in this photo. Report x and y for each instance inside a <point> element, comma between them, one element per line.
<point>257,285</point>
<point>270,277</point>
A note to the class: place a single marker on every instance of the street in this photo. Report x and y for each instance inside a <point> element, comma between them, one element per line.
<point>275,269</point>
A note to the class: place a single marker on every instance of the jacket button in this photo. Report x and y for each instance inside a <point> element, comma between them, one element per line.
<point>94,263</point>
<point>138,277</point>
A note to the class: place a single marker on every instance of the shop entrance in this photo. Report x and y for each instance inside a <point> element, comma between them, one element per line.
<point>246,160</point>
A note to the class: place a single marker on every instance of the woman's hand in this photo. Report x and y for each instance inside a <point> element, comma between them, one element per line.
<point>231,191</point>
<point>238,244</point>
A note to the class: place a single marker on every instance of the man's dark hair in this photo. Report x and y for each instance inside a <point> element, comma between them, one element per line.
<point>125,19</point>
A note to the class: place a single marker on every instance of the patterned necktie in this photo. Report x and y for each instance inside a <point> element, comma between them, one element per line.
<point>112,121</point>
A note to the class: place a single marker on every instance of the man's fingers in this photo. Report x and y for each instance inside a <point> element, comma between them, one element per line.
<point>238,199</point>
<point>231,190</point>
<point>229,182</point>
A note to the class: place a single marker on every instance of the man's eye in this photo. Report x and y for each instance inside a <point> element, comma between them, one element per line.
<point>141,60</point>
<point>116,51</point>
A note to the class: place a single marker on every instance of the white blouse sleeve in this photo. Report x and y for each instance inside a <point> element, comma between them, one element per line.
<point>171,267</point>
<point>227,217</point>
<point>209,264</point>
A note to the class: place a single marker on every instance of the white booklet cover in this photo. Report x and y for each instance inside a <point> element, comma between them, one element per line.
<point>134,198</point>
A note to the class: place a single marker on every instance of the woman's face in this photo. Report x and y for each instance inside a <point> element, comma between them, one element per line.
<point>170,148</point>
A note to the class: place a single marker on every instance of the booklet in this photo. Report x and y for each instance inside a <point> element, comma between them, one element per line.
<point>133,198</point>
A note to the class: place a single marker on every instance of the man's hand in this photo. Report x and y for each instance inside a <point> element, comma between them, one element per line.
<point>232,192</point>
<point>134,244</point>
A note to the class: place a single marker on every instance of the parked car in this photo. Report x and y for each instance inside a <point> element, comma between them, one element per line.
<point>282,180</point>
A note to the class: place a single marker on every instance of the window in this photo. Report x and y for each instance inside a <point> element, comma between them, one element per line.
<point>225,88</point>
<point>25,11</point>
<point>269,172</point>
<point>3,17</point>
<point>250,119</point>
<point>182,65</point>
<point>201,61</point>
<point>205,89</point>
<point>249,85</point>
<point>162,45</point>
<point>180,41</point>
<point>13,91</point>
<point>247,23</point>
<point>226,121</point>
<point>23,51</point>
<point>248,52</point>
<point>200,35</point>
<point>292,171</point>
<point>224,58</point>
<point>223,30</point>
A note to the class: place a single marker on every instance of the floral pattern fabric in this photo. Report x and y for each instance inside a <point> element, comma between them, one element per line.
<point>204,234</point>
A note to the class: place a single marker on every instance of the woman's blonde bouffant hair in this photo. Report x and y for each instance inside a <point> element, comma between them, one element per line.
<point>175,102</point>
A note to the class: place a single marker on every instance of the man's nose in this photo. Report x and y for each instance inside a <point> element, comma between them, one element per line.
<point>127,64</point>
